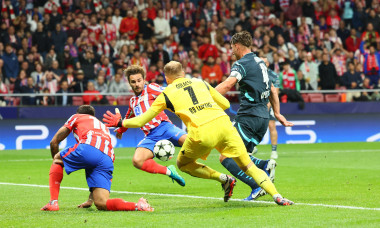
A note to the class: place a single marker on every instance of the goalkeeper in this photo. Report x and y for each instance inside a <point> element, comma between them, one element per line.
<point>201,108</point>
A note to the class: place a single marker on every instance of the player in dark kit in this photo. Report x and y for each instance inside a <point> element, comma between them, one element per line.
<point>93,153</point>
<point>252,118</point>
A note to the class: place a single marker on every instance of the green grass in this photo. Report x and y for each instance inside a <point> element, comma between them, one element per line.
<point>345,174</point>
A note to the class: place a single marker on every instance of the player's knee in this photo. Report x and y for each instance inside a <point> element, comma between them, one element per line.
<point>221,158</point>
<point>101,204</point>
<point>138,163</point>
<point>57,159</point>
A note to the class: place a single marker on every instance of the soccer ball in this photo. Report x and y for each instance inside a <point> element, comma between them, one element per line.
<point>164,150</point>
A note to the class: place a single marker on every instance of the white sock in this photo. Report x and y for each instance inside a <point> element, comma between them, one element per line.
<point>168,172</point>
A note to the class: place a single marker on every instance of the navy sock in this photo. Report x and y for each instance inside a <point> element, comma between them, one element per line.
<point>235,170</point>
<point>258,162</point>
<point>274,147</point>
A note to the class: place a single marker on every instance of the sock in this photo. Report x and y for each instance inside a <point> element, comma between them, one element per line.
<point>120,205</point>
<point>55,178</point>
<point>151,166</point>
<point>274,147</point>
<point>235,170</point>
<point>262,180</point>
<point>258,162</point>
<point>199,170</point>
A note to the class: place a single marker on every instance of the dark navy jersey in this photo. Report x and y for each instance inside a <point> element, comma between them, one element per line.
<point>274,78</point>
<point>254,85</point>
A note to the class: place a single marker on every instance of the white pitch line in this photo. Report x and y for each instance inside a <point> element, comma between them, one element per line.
<point>216,154</point>
<point>196,197</point>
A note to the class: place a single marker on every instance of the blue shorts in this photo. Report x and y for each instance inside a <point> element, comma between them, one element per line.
<point>165,130</point>
<point>98,166</point>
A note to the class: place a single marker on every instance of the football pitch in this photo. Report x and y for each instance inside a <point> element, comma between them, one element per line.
<point>332,184</point>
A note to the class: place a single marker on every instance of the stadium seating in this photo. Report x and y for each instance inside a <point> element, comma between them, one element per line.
<point>332,98</point>
<point>111,100</point>
<point>123,100</point>
<point>305,97</point>
<point>316,97</point>
<point>77,101</point>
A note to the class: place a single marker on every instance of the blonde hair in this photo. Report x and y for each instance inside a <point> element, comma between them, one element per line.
<point>134,69</point>
<point>173,69</point>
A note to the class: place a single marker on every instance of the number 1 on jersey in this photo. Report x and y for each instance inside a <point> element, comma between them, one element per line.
<point>192,94</point>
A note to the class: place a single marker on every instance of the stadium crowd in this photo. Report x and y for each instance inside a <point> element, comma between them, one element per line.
<point>61,46</point>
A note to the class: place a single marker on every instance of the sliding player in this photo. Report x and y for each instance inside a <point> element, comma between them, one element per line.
<point>252,118</point>
<point>156,129</point>
<point>93,153</point>
<point>200,107</point>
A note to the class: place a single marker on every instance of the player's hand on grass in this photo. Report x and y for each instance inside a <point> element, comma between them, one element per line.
<point>283,121</point>
<point>112,120</point>
<point>86,204</point>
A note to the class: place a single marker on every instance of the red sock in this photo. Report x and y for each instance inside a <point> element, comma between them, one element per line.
<point>120,205</point>
<point>55,178</point>
<point>151,166</point>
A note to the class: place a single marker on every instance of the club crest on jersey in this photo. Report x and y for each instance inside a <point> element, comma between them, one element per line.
<point>137,111</point>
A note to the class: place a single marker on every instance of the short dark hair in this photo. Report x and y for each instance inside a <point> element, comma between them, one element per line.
<point>244,38</point>
<point>86,109</point>
<point>134,69</point>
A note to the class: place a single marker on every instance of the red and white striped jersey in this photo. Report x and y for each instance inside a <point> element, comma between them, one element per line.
<point>89,130</point>
<point>140,104</point>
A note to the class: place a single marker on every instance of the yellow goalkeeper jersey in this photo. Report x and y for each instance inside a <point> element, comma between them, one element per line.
<point>192,100</point>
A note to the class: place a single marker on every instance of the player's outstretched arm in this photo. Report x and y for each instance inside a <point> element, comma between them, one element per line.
<point>275,102</point>
<point>219,98</point>
<point>61,134</point>
<point>226,86</point>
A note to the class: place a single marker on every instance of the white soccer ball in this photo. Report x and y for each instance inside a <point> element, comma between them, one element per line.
<point>164,150</point>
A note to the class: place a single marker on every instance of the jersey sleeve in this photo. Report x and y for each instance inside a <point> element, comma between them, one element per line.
<point>237,71</point>
<point>155,89</point>
<point>219,99</point>
<point>274,78</point>
<point>71,122</point>
<point>157,106</point>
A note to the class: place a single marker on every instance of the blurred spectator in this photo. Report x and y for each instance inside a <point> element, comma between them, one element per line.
<point>65,59</point>
<point>310,72</point>
<point>333,19</point>
<point>87,62</point>
<point>50,81</point>
<point>110,29</point>
<point>100,84</point>
<point>64,100</point>
<point>206,49</point>
<point>160,54</point>
<point>41,39</point>
<point>93,99</point>
<point>146,26</point>
<point>288,78</point>
<point>45,99</point>
<point>328,78</point>
<point>38,74</point>
<point>129,25</point>
<point>339,59</point>
<point>29,88</point>
<point>302,81</point>
<point>59,38</point>
<point>294,11</point>
<point>3,90</point>
<point>11,66</point>
<point>284,47</point>
<point>371,61</point>
<point>352,42</point>
<point>78,85</point>
<point>56,70</point>
<point>12,38</point>
<point>152,73</point>
<point>186,34</point>
<point>104,48</point>
<point>352,80</point>
<point>161,27</point>
<point>373,20</point>
<point>211,72</point>
<point>20,81</point>
<point>117,85</point>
